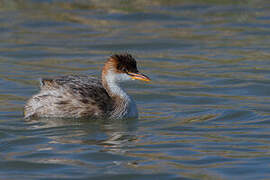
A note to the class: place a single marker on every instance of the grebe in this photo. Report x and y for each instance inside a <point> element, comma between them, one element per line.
<point>78,96</point>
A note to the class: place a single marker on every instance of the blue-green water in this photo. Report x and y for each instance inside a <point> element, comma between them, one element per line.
<point>204,115</point>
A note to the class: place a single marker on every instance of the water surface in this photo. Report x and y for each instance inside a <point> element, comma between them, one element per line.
<point>204,115</point>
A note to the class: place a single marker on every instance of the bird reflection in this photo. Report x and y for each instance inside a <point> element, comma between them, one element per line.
<point>110,135</point>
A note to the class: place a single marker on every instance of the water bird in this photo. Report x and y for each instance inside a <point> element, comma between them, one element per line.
<point>77,96</point>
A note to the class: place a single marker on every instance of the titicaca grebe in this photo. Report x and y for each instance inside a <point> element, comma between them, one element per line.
<point>77,96</point>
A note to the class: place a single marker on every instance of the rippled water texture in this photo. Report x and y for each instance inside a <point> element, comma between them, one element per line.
<point>205,114</point>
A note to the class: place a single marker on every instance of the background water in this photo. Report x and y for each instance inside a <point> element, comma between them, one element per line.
<point>205,115</point>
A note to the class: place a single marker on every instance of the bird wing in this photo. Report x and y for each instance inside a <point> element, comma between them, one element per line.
<point>88,90</point>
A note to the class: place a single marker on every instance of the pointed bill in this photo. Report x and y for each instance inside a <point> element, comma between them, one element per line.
<point>139,76</point>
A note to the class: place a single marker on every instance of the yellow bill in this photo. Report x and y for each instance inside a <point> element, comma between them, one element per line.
<point>139,76</point>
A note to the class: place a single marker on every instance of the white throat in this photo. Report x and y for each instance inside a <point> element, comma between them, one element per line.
<point>113,82</point>
<point>128,105</point>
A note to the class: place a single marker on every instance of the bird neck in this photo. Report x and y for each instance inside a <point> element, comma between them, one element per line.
<point>123,105</point>
<point>113,87</point>
<point>119,97</point>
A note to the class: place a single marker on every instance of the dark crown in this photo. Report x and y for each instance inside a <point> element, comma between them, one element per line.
<point>125,63</point>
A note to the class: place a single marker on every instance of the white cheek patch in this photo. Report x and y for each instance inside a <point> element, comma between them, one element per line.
<point>122,77</point>
<point>117,77</point>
